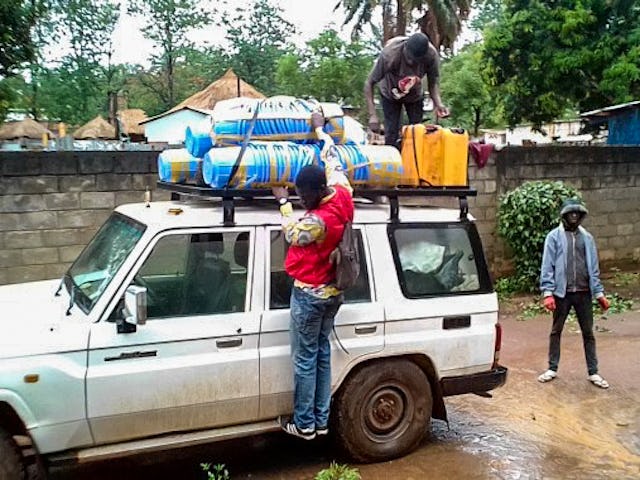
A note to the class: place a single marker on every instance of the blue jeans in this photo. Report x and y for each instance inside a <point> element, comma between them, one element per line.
<point>311,323</point>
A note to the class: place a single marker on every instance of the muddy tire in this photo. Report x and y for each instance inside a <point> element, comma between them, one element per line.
<point>11,467</point>
<point>382,411</point>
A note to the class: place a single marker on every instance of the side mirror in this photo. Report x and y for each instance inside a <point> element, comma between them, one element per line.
<point>135,305</point>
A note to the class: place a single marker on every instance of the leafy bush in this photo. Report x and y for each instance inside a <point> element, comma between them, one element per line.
<point>525,216</point>
<point>215,472</point>
<point>338,472</point>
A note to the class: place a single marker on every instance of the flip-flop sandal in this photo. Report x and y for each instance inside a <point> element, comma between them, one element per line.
<point>598,381</point>
<point>547,376</point>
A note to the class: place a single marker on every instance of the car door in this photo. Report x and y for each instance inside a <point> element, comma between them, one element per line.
<point>194,364</point>
<point>359,326</point>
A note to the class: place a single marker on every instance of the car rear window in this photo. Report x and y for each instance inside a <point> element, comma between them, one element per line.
<point>439,259</point>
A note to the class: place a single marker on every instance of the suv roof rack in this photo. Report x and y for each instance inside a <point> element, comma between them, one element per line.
<point>228,195</point>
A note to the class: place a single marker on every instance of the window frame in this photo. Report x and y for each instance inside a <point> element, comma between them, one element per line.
<point>148,249</point>
<point>484,279</point>
<point>367,261</point>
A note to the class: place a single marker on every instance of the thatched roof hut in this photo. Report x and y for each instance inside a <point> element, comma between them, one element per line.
<point>27,128</point>
<point>96,128</point>
<point>130,121</point>
<point>227,86</point>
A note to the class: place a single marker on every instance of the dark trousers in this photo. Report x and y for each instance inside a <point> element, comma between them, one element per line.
<point>392,110</point>
<point>581,303</point>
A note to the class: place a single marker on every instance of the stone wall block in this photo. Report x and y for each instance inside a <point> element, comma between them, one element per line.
<point>142,181</point>
<point>29,273</point>
<point>91,200</point>
<point>10,258</point>
<point>14,240</point>
<point>139,164</point>
<point>62,201</point>
<point>489,172</point>
<point>20,164</point>
<point>129,197</point>
<point>109,182</point>
<point>490,186</point>
<point>70,253</point>
<point>98,162</point>
<point>100,216</point>
<point>28,185</point>
<point>78,183</point>
<point>39,256</point>
<point>28,221</point>
<point>21,203</point>
<point>75,219</point>
<point>69,236</point>
<point>59,163</point>
<point>624,229</point>
<point>55,270</point>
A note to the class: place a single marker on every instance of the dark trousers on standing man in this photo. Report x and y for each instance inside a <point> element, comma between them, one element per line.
<point>581,303</point>
<point>392,110</point>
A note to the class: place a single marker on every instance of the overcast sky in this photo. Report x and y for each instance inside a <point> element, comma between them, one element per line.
<point>309,16</point>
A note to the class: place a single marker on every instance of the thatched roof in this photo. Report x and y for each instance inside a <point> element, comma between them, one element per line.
<point>130,121</point>
<point>222,89</point>
<point>96,128</point>
<point>27,128</point>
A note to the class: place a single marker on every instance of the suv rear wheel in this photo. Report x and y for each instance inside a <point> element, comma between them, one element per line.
<point>383,411</point>
<point>11,467</point>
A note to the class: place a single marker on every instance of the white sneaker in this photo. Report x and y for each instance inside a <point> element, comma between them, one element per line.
<point>547,376</point>
<point>598,381</point>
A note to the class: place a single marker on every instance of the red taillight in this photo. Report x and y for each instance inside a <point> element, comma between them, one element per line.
<point>496,351</point>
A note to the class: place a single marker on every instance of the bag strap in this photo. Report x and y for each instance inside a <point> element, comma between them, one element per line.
<point>245,144</point>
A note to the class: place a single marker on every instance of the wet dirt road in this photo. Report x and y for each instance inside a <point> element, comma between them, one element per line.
<point>566,429</point>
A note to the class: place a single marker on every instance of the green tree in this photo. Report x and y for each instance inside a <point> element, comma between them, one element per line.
<point>328,69</point>
<point>472,103</point>
<point>440,20</point>
<point>17,48</point>
<point>76,88</point>
<point>259,36</point>
<point>17,18</point>
<point>168,23</point>
<point>548,56</point>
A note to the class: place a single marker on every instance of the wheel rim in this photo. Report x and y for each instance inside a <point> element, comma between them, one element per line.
<point>387,413</point>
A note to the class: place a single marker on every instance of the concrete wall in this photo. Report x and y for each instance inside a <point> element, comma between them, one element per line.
<point>52,203</point>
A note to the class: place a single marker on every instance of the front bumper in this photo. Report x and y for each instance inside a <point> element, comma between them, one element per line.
<point>474,383</point>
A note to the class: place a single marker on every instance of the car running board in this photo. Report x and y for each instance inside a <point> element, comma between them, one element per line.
<point>155,444</point>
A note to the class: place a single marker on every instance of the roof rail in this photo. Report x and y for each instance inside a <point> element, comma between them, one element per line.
<point>228,195</point>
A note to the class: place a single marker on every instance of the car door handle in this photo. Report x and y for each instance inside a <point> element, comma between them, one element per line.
<point>233,342</point>
<point>366,330</point>
<point>131,355</point>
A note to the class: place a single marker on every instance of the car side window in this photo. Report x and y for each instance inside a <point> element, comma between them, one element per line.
<point>196,274</point>
<point>281,283</point>
<point>437,259</point>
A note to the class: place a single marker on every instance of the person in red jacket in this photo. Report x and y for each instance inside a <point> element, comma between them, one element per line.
<point>327,196</point>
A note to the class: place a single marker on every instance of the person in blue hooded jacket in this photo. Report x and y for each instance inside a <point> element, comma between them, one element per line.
<point>569,278</point>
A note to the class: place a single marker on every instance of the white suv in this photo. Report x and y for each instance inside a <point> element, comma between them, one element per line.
<point>171,329</point>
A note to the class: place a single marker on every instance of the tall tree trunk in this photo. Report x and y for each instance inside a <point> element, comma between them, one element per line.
<point>388,30</point>
<point>401,18</point>
<point>476,121</point>
<point>429,26</point>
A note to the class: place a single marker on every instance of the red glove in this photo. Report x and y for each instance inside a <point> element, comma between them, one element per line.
<point>549,303</point>
<point>604,303</point>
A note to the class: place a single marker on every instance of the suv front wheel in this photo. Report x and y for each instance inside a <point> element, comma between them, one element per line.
<point>382,411</point>
<point>11,467</point>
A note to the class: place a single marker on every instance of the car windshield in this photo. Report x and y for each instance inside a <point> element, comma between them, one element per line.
<point>93,270</point>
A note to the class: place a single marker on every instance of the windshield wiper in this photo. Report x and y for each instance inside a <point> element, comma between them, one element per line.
<point>72,297</point>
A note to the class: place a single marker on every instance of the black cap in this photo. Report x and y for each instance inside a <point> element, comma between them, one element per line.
<point>417,46</point>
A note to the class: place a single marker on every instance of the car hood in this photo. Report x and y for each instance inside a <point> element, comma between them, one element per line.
<point>33,322</point>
